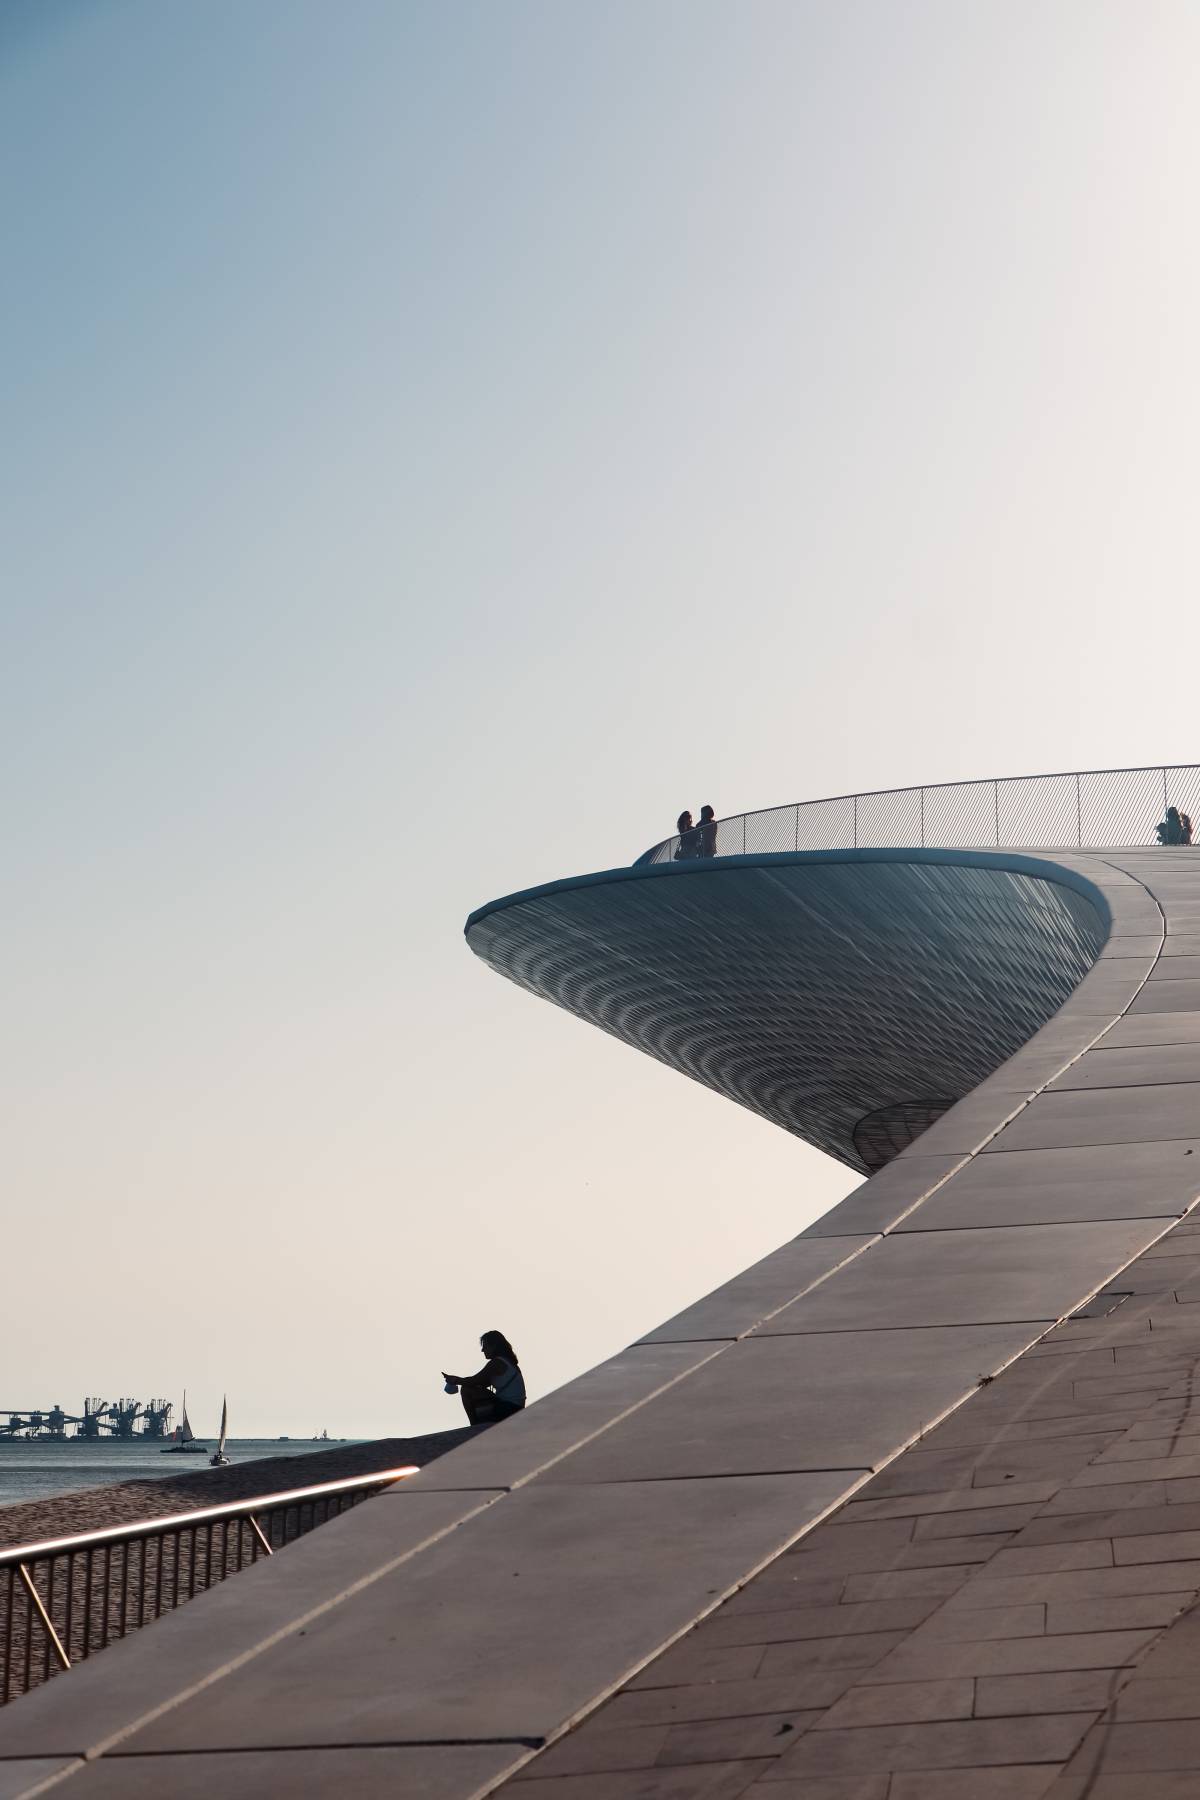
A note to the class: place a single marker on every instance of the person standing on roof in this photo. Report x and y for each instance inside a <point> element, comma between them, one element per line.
<point>706,832</point>
<point>686,847</point>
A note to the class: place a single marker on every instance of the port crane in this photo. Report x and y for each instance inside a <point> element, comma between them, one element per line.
<point>100,1419</point>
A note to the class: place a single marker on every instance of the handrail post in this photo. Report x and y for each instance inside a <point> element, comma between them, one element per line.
<point>996,797</point>
<point>922,818</point>
<point>64,1661</point>
<point>257,1529</point>
<point>856,821</point>
<point>1078,814</point>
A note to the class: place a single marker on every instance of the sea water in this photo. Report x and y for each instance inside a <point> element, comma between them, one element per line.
<point>32,1470</point>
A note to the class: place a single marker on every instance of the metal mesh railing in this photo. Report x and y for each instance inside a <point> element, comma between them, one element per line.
<point>1088,809</point>
<point>66,1598</point>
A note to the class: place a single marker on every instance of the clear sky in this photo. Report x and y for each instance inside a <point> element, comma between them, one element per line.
<point>441,442</point>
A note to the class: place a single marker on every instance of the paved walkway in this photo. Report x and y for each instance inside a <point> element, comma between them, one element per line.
<point>1007,1610</point>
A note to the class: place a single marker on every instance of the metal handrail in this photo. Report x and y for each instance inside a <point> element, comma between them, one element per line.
<point>83,1613</point>
<point>1047,811</point>
<point>115,1534</point>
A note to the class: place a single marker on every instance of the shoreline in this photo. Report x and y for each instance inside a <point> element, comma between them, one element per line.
<point>124,1502</point>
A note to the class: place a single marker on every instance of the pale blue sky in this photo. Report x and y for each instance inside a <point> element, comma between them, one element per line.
<point>441,443</point>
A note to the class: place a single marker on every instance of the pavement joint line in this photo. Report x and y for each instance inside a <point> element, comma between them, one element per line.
<point>1097,1143</point>
<point>719,1475</point>
<point>528,1741</point>
<point>924,1325</point>
<point>1120,1086</point>
<point>1026,1224</point>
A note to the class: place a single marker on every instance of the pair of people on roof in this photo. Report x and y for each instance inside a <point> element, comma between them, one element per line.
<point>696,840</point>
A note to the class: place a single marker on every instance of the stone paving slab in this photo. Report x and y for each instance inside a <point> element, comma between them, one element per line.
<point>1141,1115</point>
<point>1029,1187</point>
<point>966,1277</point>
<point>804,1690</point>
<point>1148,945</point>
<point>425,1772</point>
<point>1071,1690</point>
<point>699,1781</point>
<point>1152,1028</point>
<point>1160,1785</point>
<point>1150,1065</point>
<point>879,1203</point>
<point>838,1400</point>
<point>28,1775</point>
<point>954,1744</point>
<point>1110,987</point>
<point>734,1309</point>
<point>1028,1782</point>
<point>903,1702</point>
<point>1167,997</point>
<point>1129,1747</point>
<point>1031,1655</point>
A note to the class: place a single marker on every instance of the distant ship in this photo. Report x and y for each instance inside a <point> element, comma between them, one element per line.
<point>186,1443</point>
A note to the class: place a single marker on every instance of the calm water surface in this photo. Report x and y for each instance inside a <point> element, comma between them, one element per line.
<point>32,1471</point>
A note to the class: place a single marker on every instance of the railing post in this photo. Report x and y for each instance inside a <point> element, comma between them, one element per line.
<point>257,1529</point>
<point>996,798</point>
<point>1078,814</point>
<point>922,818</point>
<point>856,821</point>
<point>52,1636</point>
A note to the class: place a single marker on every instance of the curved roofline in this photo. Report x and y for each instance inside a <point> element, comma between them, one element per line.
<point>1108,800</point>
<point>1003,861</point>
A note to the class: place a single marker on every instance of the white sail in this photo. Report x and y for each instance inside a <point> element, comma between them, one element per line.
<point>186,1434</point>
<point>224,1424</point>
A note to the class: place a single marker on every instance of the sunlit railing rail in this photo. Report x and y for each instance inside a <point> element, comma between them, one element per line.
<point>65,1598</point>
<point>1088,808</point>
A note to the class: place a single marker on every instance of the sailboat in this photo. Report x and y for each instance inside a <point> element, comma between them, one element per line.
<point>220,1458</point>
<point>185,1441</point>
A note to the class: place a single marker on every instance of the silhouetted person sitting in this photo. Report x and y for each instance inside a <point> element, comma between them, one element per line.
<point>686,847</point>
<point>498,1390</point>
<point>1170,831</point>
<point>706,832</point>
<point>1185,829</point>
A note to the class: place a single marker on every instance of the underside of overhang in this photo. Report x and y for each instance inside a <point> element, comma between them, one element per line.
<point>849,997</point>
